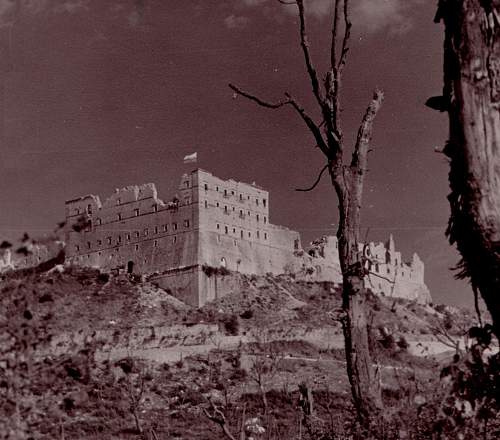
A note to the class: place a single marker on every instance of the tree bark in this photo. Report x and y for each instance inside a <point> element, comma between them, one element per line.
<point>471,95</point>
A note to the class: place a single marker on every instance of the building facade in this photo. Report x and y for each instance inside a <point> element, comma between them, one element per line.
<point>212,223</point>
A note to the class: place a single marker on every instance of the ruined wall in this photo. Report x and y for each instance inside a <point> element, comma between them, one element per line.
<point>134,230</point>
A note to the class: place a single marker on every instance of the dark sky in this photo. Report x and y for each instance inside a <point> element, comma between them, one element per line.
<point>99,94</point>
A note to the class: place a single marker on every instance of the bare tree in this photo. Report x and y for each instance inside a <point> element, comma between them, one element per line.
<point>471,96</point>
<point>347,179</point>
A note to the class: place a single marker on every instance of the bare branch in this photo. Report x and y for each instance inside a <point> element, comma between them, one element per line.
<point>359,157</point>
<point>219,418</point>
<point>316,182</point>
<point>259,101</point>
<point>345,42</point>
<point>315,130</point>
<point>304,43</point>
<point>335,29</point>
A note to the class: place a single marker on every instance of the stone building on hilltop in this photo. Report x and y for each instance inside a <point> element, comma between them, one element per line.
<point>211,228</point>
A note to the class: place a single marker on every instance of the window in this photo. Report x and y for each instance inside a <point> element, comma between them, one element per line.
<point>265,235</point>
<point>241,234</point>
<point>136,212</point>
<point>257,216</point>
<point>119,239</point>
<point>226,230</point>
<point>175,226</point>
<point>89,209</point>
<point>156,229</point>
<point>258,234</point>
<point>265,220</point>
<point>109,240</point>
<point>77,248</point>
<point>241,197</point>
<point>257,202</point>
<point>146,232</point>
<point>187,200</point>
<point>233,208</point>
<point>174,240</point>
<point>137,234</point>
<point>232,193</point>
<point>100,253</point>
<point>388,270</point>
<point>218,226</point>
<point>99,221</point>
<point>249,234</point>
<point>376,267</point>
<point>264,202</point>
<point>128,237</point>
<point>155,207</point>
<point>225,193</point>
<point>206,204</point>
<point>234,230</point>
<point>118,201</point>
<point>217,204</point>
<point>99,242</point>
<point>217,188</point>
<point>89,245</point>
<point>136,247</point>
<point>225,209</point>
<point>156,243</point>
<point>249,213</point>
<point>186,184</point>
<point>119,216</point>
<point>241,213</point>
<point>186,223</point>
<point>77,211</point>
<point>165,228</point>
<point>206,187</point>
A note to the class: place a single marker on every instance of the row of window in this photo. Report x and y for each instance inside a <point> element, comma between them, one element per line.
<point>136,247</point>
<point>241,196</point>
<point>242,233</point>
<point>137,212</point>
<point>241,213</point>
<point>137,234</point>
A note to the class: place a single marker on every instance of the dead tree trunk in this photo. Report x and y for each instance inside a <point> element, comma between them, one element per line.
<point>471,96</point>
<point>347,180</point>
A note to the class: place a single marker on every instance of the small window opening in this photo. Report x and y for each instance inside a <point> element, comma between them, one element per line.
<point>226,230</point>
<point>136,212</point>
<point>206,204</point>
<point>186,223</point>
<point>175,226</point>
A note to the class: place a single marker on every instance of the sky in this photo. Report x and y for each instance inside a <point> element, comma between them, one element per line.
<point>100,94</point>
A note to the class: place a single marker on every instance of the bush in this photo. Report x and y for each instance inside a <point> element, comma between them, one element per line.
<point>247,314</point>
<point>231,324</point>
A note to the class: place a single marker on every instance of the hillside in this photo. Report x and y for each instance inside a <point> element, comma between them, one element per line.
<point>83,345</point>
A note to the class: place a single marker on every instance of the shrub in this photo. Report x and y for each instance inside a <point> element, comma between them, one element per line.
<point>247,314</point>
<point>231,324</point>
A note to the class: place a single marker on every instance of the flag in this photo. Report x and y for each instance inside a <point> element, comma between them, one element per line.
<point>190,158</point>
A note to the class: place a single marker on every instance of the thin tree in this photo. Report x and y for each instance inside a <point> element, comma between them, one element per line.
<point>471,96</point>
<point>347,179</point>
